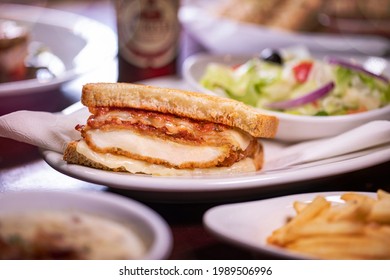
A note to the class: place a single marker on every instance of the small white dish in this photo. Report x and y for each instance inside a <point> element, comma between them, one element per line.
<point>292,128</point>
<point>248,224</point>
<point>150,228</point>
<point>82,44</point>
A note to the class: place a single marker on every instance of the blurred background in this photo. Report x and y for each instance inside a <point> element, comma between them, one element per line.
<point>360,16</point>
<point>248,26</point>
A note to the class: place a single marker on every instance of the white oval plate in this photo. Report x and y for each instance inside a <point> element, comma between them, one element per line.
<point>248,224</point>
<point>82,44</point>
<point>292,128</point>
<point>149,226</point>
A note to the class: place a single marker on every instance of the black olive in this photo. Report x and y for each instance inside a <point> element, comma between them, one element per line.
<point>271,55</point>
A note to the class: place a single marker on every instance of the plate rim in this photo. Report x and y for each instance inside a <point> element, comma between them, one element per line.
<point>69,21</point>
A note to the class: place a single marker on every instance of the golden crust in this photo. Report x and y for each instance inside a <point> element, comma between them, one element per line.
<point>181,103</point>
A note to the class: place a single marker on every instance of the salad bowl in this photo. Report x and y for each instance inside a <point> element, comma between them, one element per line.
<point>292,127</point>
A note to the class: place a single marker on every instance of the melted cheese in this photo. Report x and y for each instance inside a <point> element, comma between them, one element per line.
<point>137,166</point>
<point>153,147</point>
<point>240,139</point>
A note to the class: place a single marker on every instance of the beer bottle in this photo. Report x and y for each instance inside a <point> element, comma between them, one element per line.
<point>148,38</point>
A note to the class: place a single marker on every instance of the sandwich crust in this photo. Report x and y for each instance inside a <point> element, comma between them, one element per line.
<point>72,156</point>
<point>182,103</point>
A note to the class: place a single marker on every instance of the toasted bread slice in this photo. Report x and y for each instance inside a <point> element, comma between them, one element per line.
<point>181,103</point>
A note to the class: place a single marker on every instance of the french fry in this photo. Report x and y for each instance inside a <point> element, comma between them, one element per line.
<point>380,212</point>
<point>378,232</point>
<point>340,212</point>
<point>280,235</point>
<point>353,210</point>
<point>299,206</point>
<point>342,247</point>
<point>363,203</point>
<point>383,195</point>
<point>357,229</point>
<point>351,196</point>
<point>310,211</point>
<point>325,228</point>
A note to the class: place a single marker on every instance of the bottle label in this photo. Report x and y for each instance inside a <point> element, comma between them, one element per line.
<point>148,31</point>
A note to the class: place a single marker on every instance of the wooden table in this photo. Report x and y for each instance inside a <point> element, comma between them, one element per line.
<point>22,168</point>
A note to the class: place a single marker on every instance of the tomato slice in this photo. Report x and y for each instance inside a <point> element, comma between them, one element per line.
<point>234,67</point>
<point>302,70</point>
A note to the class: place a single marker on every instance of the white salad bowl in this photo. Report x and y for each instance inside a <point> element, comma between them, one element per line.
<point>292,128</point>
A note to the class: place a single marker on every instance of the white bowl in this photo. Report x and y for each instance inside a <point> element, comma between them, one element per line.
<point>82,44</point>
<point>292,128</point>
<point>148,226</point>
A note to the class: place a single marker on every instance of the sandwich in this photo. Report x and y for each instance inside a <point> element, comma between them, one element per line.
<point>168,132</point>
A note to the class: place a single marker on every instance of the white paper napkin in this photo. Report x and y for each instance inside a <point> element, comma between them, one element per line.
<point>53,132</point>
<point>50,131</point>
<point>366,136</point>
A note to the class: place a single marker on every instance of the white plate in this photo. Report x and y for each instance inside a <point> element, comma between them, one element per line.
<point>221,35</point>
<point>152,230</point>
<point>249,224</point>
<point>217,187</point>
<point>82,44</point>
<point>294,128</point>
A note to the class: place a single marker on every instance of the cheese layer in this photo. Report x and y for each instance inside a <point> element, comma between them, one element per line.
<point>153,147</point>
<point>138,166</point>
<point>159,150</point>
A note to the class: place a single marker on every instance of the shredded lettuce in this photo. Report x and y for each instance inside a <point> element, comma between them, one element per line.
<point>258,83</point>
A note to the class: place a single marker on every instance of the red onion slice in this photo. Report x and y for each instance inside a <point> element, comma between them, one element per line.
<point>308,98</point>
<point>354,66</point>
